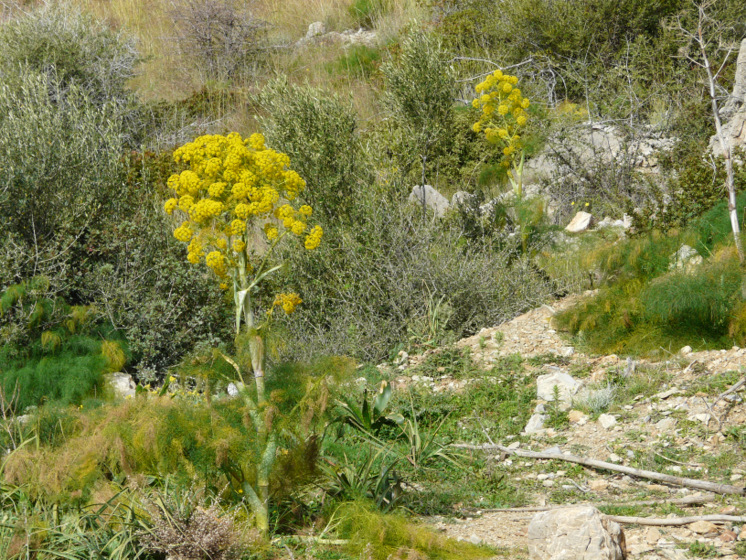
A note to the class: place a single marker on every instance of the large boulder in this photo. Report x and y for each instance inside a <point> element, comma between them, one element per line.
<point>431,198</point>
<point>581,222</point>
<point>567,387</point>
<point>575,533</point>
<point>121,385</point>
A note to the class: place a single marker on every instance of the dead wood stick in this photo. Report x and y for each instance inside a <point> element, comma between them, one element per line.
<point>652,475</point>
<point>688,501</point>
<point>675,521</point>
<point>733,389</point>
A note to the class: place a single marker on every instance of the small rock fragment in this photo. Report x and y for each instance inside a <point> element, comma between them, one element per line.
<point>607,421</point>
<point>535,424</point>
<point>727,536</point>
<point>581,222</point>
<point>598,485</point>
<point>577,417</point>
<point>652,535</point>
<point>702,527</point>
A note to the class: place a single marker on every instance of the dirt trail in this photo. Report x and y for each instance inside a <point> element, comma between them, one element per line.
<point>676,417</point>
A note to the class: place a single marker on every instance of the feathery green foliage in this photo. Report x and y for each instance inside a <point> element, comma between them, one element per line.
<point>647,303</point>
<point>382,536</point>
<point>52,351</point>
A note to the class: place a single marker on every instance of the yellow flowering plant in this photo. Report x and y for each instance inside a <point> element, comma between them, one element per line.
<point>502,120</point>
<point>238,201</point>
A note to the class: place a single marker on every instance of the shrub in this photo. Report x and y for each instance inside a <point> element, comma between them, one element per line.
<point>77,211</point>
<point>696,184</point>
<point>70,48</point>
<point>163,316</point>
<point>52,351</point>
<point>318,131</point>
<point>391,275</point>
<point>61,164</point>
<point>419,96</point>
<point>183,526</point>
<point>644,306</point>
<point>222,38</point>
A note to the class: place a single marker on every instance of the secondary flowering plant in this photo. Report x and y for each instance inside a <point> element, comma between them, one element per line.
<point>238,199</point>
<point>502,120</point>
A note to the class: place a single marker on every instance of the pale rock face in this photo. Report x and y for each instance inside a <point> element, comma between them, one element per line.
<point>734,110</point>
<point>575,533</point>
<point>315,29</point>
<point>567,387</point>
<point>581,222</point>
<point>432,199</point>
<point>121,384</point>
<point>460,198</point>
<point>685,258</point>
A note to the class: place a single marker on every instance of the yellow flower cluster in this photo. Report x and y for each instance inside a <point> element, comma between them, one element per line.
<point>313,239</point>
<point>288,302</point>
<point>226,183</point>
<point>503,113</point>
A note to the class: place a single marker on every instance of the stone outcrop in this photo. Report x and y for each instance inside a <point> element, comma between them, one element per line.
<point>121,384</point>
<point>733,111</point>
<point>575,533</point>
<point>318,34</point>
<point>431,198</point>
<point>566,386</point>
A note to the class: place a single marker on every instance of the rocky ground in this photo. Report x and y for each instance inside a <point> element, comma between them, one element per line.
<point>673,419</point>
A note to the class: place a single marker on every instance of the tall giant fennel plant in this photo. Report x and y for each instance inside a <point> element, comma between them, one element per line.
<point>502,121</point>
<point>236,195</point>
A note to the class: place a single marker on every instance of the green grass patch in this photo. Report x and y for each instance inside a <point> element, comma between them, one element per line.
<point>359,61</point>
<point>647,308</point>
<point>381,536</point>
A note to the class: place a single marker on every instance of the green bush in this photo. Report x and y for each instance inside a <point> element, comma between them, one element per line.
<point>122,272</point>
<point>696,185</point>
<point>53,352</point>
<point>644,306</point>
<point>418,97</point>
<point>392,278</point>
<point>72,49</point>
<point>61,164</point>
<point>318,132</point>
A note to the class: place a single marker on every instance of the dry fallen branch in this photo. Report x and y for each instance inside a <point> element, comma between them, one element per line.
<point>677,521</point>
<point>688,501</point>
<point>733,389</point>
<point>652,475</point>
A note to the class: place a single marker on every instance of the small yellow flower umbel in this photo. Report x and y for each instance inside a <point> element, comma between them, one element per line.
<point>502,120</point>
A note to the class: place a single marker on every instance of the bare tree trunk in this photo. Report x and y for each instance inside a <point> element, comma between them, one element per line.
<point>725,145</point>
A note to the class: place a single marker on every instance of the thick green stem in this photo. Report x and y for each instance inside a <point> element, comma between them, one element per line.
<point>266,443</point>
